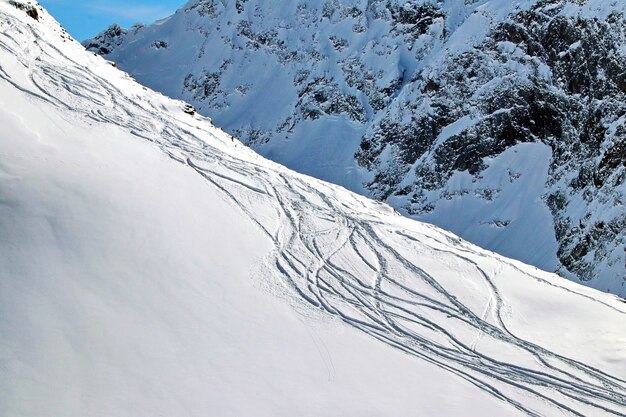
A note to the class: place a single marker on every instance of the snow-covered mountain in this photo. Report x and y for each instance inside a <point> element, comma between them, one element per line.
<point>151,265</point>
<point>501,121</point>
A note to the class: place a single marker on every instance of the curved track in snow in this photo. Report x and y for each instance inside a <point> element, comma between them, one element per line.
<point>341,254</point>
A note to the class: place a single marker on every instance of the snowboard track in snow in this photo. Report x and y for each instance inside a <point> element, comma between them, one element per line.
<point>349,269</point>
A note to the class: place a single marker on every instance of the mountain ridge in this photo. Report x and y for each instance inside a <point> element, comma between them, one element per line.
<point>420,104</point>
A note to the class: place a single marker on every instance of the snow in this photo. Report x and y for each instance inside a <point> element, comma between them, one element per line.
<point>454,128</point>
<point>331,160</point>
<point>499,198</point>
<point>149,265</point>
<point>268,57</point>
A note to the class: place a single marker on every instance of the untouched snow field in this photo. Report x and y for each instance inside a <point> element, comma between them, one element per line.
<point>152,266</point>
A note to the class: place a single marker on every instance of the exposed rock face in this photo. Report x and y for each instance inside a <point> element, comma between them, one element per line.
<point>502,122</point>
<point>107,40</point>
<point>29,8</point>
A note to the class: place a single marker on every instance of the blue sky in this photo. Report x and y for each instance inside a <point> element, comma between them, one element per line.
<point>86,18</point>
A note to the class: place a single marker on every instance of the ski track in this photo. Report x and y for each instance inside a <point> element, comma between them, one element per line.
<point>381,292</point>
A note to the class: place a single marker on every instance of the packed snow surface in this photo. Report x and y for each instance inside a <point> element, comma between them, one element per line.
<point>151,265</point>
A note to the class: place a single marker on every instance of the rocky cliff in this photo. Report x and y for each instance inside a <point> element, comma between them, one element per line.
<point>503,122</point>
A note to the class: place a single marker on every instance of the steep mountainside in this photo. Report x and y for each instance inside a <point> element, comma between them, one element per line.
<point>501,121</point>
<point>150,265</point>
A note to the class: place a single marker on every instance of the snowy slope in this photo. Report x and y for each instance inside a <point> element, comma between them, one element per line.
<point>151,266</point>
<point>427,105</point>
